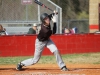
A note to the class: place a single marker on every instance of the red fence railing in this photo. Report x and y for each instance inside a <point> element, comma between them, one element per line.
<point>23,45</point>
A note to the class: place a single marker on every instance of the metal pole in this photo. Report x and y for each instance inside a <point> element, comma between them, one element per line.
<point>26,13</point>
<point>39,13</point>
<point>60,15</point>
<point>57,22</point>
<point>68,24</point>
<point>60,20</point>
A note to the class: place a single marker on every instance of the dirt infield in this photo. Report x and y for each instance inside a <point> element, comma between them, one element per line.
<point>52,69</point>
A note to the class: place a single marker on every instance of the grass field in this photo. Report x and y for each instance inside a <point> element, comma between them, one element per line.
<point>87,58</point>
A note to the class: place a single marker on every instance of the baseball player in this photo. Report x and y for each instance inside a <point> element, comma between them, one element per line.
<point>43,40</point>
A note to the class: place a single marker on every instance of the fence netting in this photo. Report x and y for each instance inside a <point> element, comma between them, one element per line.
<point>81,25</point>
<point>15,13</point>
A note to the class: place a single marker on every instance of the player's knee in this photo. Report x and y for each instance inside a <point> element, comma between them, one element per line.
<point>56,51</point>
<point>35,61</point>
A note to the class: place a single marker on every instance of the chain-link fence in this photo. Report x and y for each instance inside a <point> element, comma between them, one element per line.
<point>14,13</point>
<point>81,25</point>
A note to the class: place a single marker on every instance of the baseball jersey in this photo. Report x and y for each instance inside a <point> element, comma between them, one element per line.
<point>46,32</point>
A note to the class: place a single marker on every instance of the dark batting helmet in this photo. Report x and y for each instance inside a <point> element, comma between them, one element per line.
<point>43,16</point>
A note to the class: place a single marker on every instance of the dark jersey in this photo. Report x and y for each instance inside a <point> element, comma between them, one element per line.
<point>46,32</point>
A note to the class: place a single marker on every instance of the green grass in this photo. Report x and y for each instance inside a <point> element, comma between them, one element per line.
<point>88,58</point>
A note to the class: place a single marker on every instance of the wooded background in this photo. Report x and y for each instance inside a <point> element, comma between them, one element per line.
<point>74,9</point>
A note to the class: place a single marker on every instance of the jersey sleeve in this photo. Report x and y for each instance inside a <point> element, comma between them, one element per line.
<point>50,16</point>
<point>54,28</point>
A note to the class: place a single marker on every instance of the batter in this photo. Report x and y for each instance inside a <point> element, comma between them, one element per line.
<point>43,40</point>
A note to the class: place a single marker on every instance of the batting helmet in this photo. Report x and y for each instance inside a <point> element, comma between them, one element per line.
<point>43,16</point>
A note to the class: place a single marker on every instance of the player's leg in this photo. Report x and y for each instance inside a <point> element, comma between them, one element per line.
<point>39,46</point>
<point>54,50</point>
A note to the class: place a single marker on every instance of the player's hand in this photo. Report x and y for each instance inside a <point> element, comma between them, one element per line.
<point>55,12</point>
<point>54,17</point>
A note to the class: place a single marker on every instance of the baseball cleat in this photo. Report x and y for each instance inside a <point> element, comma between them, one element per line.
<point>64,68</point>
<point>19,67</point>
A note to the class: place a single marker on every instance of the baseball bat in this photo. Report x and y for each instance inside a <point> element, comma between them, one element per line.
<point>41,4</point>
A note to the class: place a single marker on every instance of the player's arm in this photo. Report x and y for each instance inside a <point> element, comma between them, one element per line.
<point>54,28</point>
<point>54,17</point>
<point>52,14</point>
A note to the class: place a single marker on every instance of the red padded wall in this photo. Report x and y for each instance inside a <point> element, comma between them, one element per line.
<point>24,45</point>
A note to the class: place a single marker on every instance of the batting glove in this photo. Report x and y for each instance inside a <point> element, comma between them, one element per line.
<point>54,17</point>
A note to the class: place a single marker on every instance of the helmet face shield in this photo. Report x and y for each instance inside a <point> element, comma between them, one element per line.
<point>43,17</point>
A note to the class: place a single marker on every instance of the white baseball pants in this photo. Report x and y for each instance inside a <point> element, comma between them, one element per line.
<point>39,46</point>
